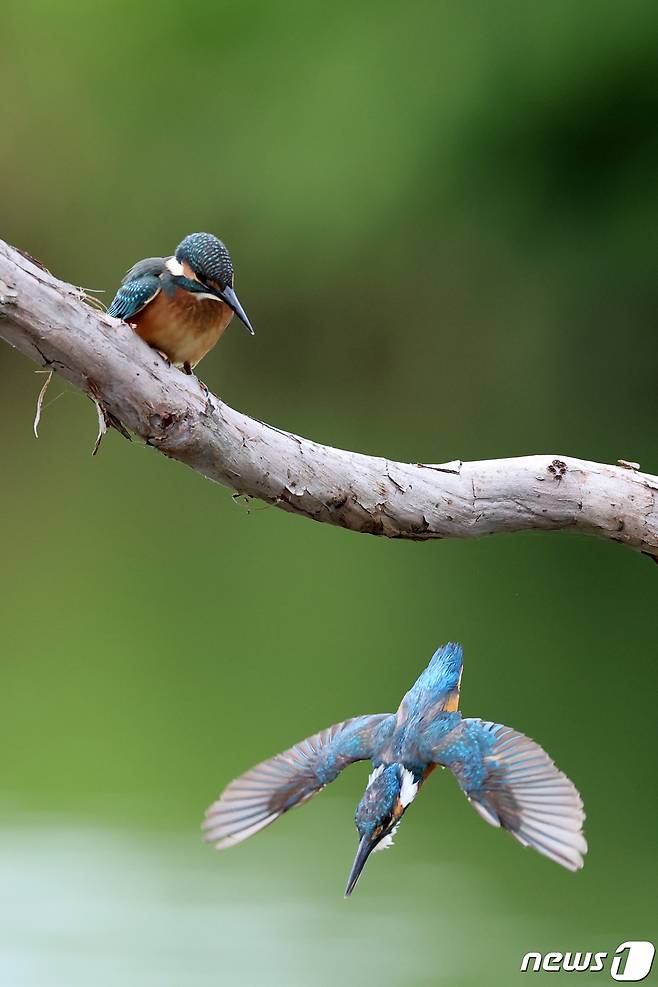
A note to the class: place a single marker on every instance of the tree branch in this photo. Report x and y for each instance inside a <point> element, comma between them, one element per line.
<point>51,322</point>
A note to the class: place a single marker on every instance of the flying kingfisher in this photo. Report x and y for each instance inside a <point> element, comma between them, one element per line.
<point>508,778</point>
<point>181,305</point>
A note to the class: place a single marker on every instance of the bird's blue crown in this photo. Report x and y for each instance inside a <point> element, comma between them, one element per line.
<point>208,257</point>
<point>379,799</point>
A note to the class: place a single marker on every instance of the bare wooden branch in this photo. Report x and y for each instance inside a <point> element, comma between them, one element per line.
<point>51,322</point>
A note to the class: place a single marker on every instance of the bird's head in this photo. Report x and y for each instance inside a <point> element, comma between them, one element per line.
<point>390,790</point>
<point>203,259</point>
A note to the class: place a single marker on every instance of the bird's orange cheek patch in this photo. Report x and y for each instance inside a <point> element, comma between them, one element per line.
<point>188,272</point>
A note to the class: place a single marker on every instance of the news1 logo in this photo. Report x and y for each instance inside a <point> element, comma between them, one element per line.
<point>631,962</point>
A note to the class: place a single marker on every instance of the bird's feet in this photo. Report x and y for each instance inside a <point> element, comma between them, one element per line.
<point>187,369</point>
<point>160,353</point>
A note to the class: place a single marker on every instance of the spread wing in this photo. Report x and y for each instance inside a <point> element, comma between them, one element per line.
<point>140,286</point>
<point>261,795</point>
<point>513,783</point>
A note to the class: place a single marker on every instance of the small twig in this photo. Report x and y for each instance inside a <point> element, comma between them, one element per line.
<point>104,413</point>
<point>452,467</point>
<point>42,394</point>
<point>56,398</point>
<point>96,303</point>
<point>102,425</point>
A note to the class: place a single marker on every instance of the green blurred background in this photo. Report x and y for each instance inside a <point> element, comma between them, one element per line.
<point>443,219</point>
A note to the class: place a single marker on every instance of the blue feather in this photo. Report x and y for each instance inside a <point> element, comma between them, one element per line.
<point>134,295</point>
<point>436,684</point>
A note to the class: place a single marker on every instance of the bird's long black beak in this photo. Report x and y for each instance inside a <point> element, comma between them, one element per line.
<point>366,846</point>
<point>229,296</point>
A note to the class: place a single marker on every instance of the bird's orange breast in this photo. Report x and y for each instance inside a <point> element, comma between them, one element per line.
<point>183,326</point>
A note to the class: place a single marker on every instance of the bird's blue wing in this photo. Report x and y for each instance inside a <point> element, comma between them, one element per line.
<point>261,795</point>
<point>513,783</point>
<point>133,295</point>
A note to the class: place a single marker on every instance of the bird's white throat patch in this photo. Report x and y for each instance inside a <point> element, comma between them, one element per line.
<point>386,841</point>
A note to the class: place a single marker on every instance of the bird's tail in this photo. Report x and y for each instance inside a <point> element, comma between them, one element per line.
<point>445,673</point>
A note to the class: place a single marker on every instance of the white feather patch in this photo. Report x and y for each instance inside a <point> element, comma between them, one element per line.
<point>204,294</point>
<point>374,774</point>
<point>174,267</point>
<point>386,841</point>
<point>408,788</point>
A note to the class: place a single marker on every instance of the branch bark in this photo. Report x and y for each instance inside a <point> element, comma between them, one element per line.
<point>52,323</point>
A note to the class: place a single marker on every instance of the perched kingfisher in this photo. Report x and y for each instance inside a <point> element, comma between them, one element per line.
<point>508,778</point>
<point>181,305</point>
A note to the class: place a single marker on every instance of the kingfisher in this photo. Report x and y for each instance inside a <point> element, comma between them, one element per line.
<point>508,778</point>
<point>182,305</point>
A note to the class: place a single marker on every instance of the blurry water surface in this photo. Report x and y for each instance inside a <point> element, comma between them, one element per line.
<point>86,903</point>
